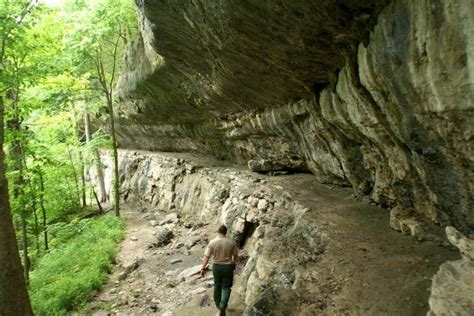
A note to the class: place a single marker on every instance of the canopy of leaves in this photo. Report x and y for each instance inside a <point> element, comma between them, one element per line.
<point>48,62</point>
<point>48,80</point>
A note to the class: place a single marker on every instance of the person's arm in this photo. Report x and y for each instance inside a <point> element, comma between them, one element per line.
<point>205,262</point>
<point>205,259</point>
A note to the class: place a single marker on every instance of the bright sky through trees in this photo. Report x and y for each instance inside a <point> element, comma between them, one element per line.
<point>52,3</point>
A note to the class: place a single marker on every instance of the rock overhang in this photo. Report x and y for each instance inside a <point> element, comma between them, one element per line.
<point>371,94</point>
<point>224,57</point>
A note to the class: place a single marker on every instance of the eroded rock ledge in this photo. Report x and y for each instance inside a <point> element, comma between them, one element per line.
<point>371,94</point>
<point>312,249</point>
<point>281,241</point>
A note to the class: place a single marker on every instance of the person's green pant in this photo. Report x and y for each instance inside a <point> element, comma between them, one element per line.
<point>223,279</point>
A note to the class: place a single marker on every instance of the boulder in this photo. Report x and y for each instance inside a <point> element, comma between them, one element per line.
<point>464,244</point>
<point>192,241</point>
<point>169,219</point>
<point>163,237</point>
<point>403,221</point>
<point>452,289</point>
<point>262,205</point>
<point>190,272</point>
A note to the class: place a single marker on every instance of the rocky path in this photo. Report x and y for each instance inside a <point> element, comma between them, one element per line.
<point>366,268</point>
<point>157,270</point>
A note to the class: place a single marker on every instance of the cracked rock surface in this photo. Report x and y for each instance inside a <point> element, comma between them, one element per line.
<point>453,285</point>
<point>306,248</point>
<point>376,95</point>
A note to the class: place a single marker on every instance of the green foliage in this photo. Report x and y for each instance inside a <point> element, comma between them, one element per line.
<point>48,80</point>
<point>30,38</point>
<point>52,138</point>
<point>68,275</point>
<point>95,27</point>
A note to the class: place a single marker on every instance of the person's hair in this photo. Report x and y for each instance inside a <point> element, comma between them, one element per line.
<point>222,230</point>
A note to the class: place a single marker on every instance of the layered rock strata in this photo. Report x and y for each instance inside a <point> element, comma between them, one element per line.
<point>266,220</point>
<point>376,95</point>
<point>312,250</point>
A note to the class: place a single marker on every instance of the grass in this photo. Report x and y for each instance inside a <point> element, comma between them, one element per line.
<point>69,274</point>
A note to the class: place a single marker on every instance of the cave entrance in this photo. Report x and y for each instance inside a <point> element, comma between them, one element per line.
<point>249,229</point>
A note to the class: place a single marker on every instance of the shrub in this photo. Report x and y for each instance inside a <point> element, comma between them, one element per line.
<point>68,275</point>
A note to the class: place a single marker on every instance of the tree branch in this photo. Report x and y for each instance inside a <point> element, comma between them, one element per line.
<point>112,78</point>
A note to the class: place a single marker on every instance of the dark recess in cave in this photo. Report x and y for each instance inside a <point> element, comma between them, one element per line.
<point>318,87</point>
<point>249,229</point>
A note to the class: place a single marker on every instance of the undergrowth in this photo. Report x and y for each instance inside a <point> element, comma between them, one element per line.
<point>68,274</point>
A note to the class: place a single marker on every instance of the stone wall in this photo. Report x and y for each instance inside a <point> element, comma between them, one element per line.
<point>267,217</point>
<point>296,263</point>
<point>376,95</point>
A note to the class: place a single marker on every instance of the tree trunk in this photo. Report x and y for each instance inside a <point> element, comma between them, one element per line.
<point>100,176</point>
<point>72,199</point>
<point>81,156</point>
<point>115,153</point>
<point>19,193</point>
<point>76,178</point>
<point>98,163</point>
<point>34,209</point>
<point>19,183</point>
<point>83,179</point>
<point>36,230</point>
<point>98,202</point>
<point>26,258</point>
<point>13,294</point>
<point>43,210</point>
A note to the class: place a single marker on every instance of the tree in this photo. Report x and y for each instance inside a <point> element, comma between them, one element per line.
<point>97,160</point>
<point>43,210</point>
<point>13,294</point>
<point>27,51</point>
<point>107,87</point>
<point>47,85</point>
<point>101,43</point>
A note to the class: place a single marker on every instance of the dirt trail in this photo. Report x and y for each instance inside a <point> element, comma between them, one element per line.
<point>367,268</point>
<point>146,279</point>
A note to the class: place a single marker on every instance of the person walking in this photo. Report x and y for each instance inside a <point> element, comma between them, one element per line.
<point>224,254</point>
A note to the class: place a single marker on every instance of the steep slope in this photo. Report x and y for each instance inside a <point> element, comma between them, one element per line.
<point>376,95</point>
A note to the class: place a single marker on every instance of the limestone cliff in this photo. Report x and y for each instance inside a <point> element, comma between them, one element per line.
<point>306,248</point>
<point>376,95</point>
